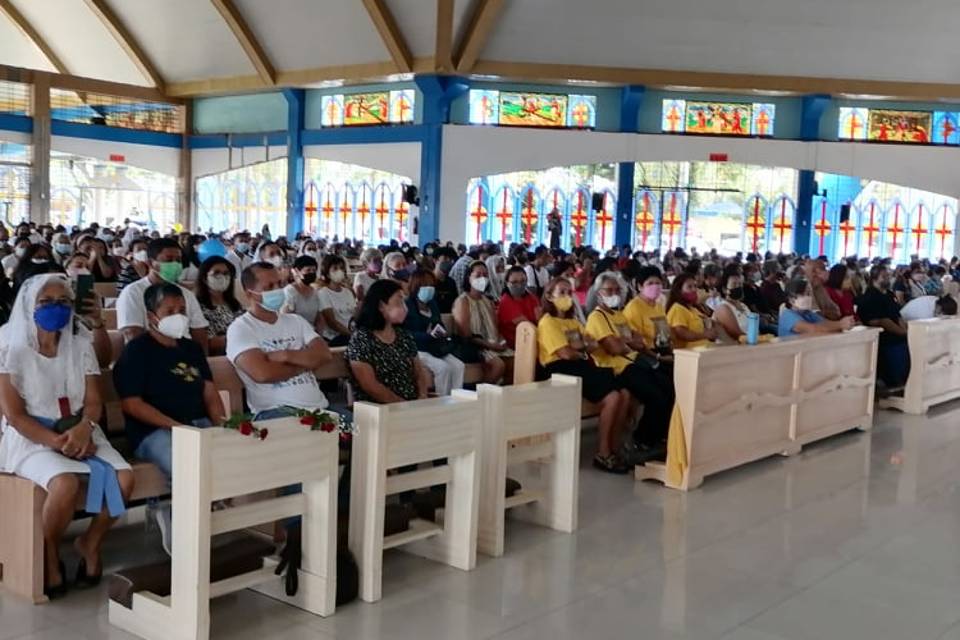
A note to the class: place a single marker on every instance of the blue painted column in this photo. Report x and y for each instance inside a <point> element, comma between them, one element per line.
<point>631,98</point>
<point>436,94</point>
<point>804,240</point>
<point>295,163</point>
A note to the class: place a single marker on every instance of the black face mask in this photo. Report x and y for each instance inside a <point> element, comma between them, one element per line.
<point>736,293</point>
<point>309,278</point>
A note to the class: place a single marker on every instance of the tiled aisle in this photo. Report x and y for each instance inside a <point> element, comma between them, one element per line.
<point>857,537</point>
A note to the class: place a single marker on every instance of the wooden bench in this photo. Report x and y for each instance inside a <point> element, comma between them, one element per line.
<point>217,464</point>
<point>738,404</point>
<point>934,366</point>
<point>513,417</point>
<point>392,436</point>
<point>106,290</point>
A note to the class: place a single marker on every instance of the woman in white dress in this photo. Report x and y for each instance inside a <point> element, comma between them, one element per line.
<point>49,374</point>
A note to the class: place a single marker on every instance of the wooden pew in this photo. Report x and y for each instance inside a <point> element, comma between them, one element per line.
<point>216,464</point>
<point>513,417</point>
<point>934,366</point>
<point>106,290</point>
<point>742,403</point>
<point>391,436</point>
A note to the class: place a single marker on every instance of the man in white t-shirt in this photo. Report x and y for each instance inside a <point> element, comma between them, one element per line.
<point>165,266</point>
<point>239,255</point>
<point>537,274</point>
<point>928,307</point>
<point>275,353</point>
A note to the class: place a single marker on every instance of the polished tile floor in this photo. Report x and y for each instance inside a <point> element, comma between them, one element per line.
<point>857,537</point>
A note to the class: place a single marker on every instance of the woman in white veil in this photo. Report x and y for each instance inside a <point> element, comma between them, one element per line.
<point>50,397</point>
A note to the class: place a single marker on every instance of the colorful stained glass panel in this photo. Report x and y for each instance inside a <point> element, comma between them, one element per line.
<point>899,126</point>
<point>946,127</point>
<point>484,106</point>
<point>331,111</point>
<point>533,109</point>
<point>853,123</point>
<point>401,106</point>
<point>366,108</point>
<point>582,113</point>
<point>764,116</point>
<point>673,115</point>
<point>731,119</point>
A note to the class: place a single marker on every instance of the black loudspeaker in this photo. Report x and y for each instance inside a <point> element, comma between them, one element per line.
<point>411,195</point>
<point>597,202</point>
<point>844,212</point>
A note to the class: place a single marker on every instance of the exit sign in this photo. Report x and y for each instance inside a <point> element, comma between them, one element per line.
<point>117,157</point>
<point>719,157</point>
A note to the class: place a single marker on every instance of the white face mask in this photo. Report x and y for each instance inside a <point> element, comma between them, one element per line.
<point>19,251</point>
<point>336,276</point>
<point>140,256</point>
<point>119,252</point>
<point>311,253</point>
<point>174,326</point>
<point>276,261</point>
<point>803,303</point>
<point>612,302</point>
<point>479,284</point>
<point>218,282</point>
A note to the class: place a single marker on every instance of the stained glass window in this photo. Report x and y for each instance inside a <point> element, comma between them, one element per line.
<point>718,118</point>
<point>522,109</point>
<point>376,108</point>
<point>582,113</point>
<point>946,127</point>
<point>853,123</point>
<point>897,125</point>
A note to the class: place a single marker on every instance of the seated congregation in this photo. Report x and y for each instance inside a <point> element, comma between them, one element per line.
<point>405,323</point>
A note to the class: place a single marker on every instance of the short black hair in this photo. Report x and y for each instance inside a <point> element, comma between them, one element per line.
<point>248,279</point>
<point>948,306</point>
<point>329,262</point>
<point>304,261</point>
<point>157,293</point>
<point>369,316</point>
<point>158,245</point>
<point>445,252</point>
<point>645,273</point>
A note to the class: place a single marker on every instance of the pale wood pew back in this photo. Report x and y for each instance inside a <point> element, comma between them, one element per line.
<point>513,418</point>
<point>934,366</point>
<point>743,403</point>
<point>392,436</point>
<point>525,363</point>
<point>217,464</point>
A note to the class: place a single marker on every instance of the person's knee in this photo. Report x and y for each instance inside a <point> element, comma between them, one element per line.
<point>127,482</point>
<point>65,485</point>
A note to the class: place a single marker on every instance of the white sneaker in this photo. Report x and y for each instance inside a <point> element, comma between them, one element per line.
<point>165,522</point>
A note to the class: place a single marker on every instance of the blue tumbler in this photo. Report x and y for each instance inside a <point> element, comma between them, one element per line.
<point>753,327</point>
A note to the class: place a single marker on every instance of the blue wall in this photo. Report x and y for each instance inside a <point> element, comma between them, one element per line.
<point>252,113</point>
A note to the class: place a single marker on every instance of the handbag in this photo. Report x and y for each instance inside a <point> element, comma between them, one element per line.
<point>439,347</point>
<point>465,351</point>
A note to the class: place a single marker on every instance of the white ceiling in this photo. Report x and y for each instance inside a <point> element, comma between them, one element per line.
<point>187,40</point>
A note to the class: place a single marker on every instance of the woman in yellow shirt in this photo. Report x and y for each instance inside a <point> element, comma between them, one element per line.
<point>646,313</point>
<point>563,349</point>
<point>637,369</point>
<point>684,316</point>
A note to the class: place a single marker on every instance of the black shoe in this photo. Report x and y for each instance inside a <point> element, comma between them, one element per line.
<point>610,464</point>
<point>54,593</point>
<point>85,580</point>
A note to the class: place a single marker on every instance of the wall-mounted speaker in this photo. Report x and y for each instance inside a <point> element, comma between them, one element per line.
<point>844,212</point>
<point>597,202</point>
<point>411,195</point>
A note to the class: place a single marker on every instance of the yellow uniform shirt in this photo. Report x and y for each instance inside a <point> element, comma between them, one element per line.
<point>641,315</point>
<point>602,324</point>
<point>681,316</point>
<point>554,334</point>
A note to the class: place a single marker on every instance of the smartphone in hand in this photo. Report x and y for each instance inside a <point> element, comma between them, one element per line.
<point>82,290</point>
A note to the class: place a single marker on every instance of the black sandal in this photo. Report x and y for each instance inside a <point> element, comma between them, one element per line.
<point>54,593</point>
<point>85,580</point>
<point>610,464</point>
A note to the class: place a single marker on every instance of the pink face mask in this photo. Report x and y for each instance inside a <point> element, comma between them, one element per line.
<point>652,291</point>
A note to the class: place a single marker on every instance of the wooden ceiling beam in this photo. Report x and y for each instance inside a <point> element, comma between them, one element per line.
<point>127,42</point>
<point>482,21</point>
<point>248,41</point>
<point>390,33</point>
<point>443,48</point>
<point>82,84</point>
<point>18,19</point>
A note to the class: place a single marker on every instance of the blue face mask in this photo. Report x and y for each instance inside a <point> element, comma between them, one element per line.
<point>52,317</point>
<point>242,247</point>
<point>425,294</point>
<point>272,300</point>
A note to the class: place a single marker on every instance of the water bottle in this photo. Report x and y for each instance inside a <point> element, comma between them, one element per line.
<point>753,327</point>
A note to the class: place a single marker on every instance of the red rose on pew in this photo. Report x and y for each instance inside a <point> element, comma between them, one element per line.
<point>246,428</point>
<point>308,420</point>
<point>327,427</point>
<point>263,434</point>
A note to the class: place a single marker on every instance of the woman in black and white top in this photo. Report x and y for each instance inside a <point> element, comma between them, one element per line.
<point>215,293</point>
<point>382,354</point>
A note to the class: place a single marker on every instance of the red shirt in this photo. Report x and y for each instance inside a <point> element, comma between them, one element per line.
<point>509,309</point>
<point>843,299</point>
